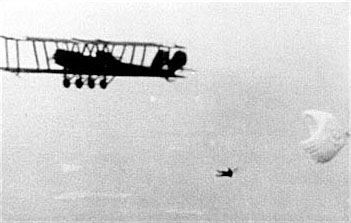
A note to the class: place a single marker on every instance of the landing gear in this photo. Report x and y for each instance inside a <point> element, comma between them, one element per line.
<point>66,82</point>
<point>79,82</point>
<point>91,82</point>
<point>103,83</point>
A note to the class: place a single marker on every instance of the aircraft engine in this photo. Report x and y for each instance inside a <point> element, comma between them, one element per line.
<point>68,59</point>
<point>178,61</point>
<point>58,55</point>
<point>160,59</point>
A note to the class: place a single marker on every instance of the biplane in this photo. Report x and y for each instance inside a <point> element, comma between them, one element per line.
<point>89,62</point>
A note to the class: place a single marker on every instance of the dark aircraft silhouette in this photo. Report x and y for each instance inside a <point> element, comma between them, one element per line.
<point>228,173</point>
<point>86,62</point>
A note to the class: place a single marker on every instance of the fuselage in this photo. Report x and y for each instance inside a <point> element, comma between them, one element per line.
<point>103,64</point>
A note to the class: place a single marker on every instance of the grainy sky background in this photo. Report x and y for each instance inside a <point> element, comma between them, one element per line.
<point>146,149</point>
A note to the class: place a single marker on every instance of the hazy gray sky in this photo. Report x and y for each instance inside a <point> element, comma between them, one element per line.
<point>146,149</point>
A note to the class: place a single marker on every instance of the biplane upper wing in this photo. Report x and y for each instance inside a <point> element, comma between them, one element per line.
<point>9,38</point>
<point>55,40</point>
<point>129,43</point>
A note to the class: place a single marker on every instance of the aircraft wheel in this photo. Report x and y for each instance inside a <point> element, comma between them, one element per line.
<point>91,83</point>
<point>79,83</point>
<point>66,83</point>
<point>103,84</point>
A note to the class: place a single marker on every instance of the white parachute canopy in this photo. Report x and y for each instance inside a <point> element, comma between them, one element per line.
<point>327,136</point>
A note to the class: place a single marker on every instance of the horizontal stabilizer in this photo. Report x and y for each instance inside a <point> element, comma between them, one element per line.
<point>188,69</point>
<point>179,76</point>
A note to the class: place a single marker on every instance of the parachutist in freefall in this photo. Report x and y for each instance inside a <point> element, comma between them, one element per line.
<point>228,173</point>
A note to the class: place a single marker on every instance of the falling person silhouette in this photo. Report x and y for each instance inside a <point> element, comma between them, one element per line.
<point>228,173</point>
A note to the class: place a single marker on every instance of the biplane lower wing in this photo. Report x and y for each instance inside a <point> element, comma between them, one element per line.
<point>150,73</point>
<point>32,70</point>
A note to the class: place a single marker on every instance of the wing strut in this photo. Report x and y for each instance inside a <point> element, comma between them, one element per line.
<point>143,57</point>
<point>46,55</point>
<point>132,57</point>
<point>36,54</point>
<point>123,51</point>
<point>17,55</point>
<point>7,53</point>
